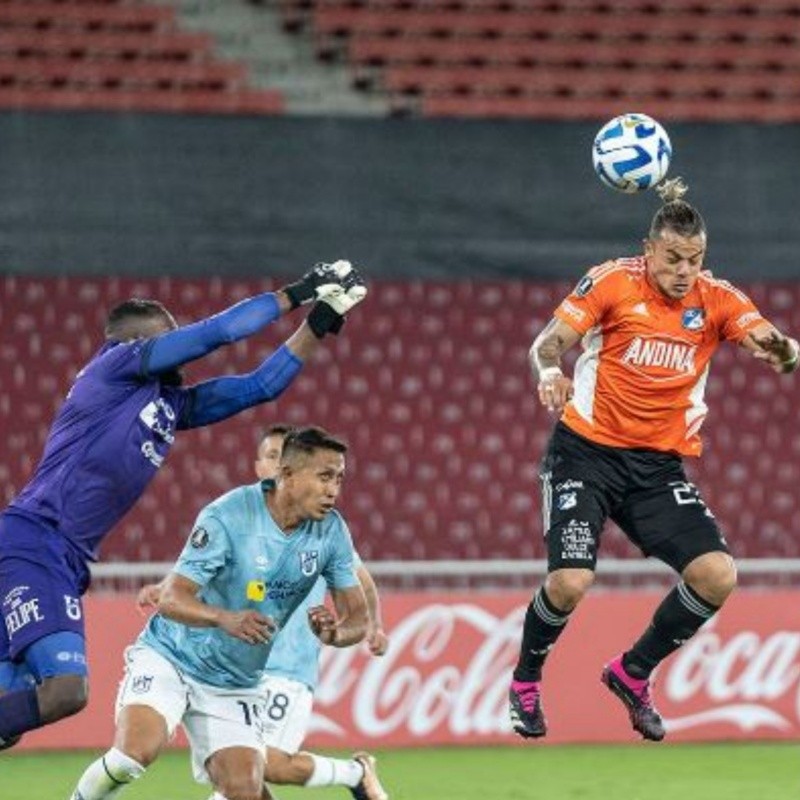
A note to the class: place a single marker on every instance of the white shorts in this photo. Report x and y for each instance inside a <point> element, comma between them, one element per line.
<point>213,718</point>
<point>286,714</point>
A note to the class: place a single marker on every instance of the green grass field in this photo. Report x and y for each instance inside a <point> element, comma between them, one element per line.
<point>634,772</point>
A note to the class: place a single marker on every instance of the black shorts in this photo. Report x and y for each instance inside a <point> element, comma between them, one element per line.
<point>645,492</point>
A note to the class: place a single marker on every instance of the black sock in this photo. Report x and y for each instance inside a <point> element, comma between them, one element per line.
<point>543,625</point>
<point>676,620</point>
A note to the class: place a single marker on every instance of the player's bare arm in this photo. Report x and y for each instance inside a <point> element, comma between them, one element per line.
<point>349,626</point>
<point>377,640</point>
<point>768,344</point>
<point>554,388</point>
<point>179,601</point>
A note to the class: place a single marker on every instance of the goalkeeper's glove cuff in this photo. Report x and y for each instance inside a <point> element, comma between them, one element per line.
<point>323,319</point>
<point>298,293</point>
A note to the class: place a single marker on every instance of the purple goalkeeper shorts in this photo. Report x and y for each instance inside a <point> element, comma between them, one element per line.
<point>41,583</point>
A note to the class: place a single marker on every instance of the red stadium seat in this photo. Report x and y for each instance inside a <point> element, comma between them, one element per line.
<point>167,45</point>
<point>91,15</point>
<point>438,409</point>
<point>100,54</point>
<point>574,59</point>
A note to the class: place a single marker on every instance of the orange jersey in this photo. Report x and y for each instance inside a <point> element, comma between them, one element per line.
<point>641,378</point>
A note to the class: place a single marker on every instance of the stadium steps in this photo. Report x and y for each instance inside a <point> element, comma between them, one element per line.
<point>254,34</point>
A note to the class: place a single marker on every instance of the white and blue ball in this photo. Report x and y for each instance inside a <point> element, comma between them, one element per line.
<point>631,153</point>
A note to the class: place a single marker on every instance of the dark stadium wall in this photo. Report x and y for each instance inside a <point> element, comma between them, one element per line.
<point>146,195</point>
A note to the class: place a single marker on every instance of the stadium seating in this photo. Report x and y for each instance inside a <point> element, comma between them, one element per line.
<point>551,59</point>
<point>568,59</point>
<point>115,55</point>
<point>429,385</point>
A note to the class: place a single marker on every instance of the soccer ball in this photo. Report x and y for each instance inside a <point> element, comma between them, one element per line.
<point>631,153</point>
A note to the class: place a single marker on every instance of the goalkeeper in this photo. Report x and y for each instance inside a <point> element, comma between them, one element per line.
<point>110,436</point>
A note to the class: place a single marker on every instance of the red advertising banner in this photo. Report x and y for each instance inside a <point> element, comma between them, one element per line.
<point>445,677</point>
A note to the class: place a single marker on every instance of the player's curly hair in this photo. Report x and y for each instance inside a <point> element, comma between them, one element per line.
<point>675,213</point>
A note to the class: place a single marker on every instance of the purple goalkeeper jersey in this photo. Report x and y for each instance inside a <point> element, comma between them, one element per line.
<point>108,439</point>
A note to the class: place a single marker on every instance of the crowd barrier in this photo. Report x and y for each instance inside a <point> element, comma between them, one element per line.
<point>445,677</point>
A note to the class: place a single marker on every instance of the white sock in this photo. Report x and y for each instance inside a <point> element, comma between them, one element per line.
<point>335,772</point>
<point>107,776</point>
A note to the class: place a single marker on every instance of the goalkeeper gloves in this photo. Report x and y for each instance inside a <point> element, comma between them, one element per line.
<point>318,280</point>
<point>327,315</point>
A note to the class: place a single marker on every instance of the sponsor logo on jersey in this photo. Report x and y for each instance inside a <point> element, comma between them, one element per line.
<point>256,591</point>
<point>282,589</point>
<point>675,357</point>
<point>641,310</point>
<point>151,454</point>
<point>69,656</point>
<point>569,484</point>
<point>159,416</point>
<point>577,541</point>
<point>693,319</point>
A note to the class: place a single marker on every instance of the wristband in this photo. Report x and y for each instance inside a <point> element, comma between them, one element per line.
<point>550,374</point>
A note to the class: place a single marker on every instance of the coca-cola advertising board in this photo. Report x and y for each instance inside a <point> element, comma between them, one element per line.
<point>445,678</point>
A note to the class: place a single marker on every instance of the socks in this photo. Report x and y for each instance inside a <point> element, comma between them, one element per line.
<point>107,777</point>
<point>19,712</point>
<point>335,772</point>
<point>676,620</point>
<point>544,623</point>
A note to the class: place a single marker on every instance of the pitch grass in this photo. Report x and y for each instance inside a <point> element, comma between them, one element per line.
<point>633,772</point>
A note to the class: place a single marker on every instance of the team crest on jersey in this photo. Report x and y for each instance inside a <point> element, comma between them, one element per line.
<point>584,286</point>
<point>567,500</point>
<point>309,562</point>
<point>693,319</point>
<point>72,605</point>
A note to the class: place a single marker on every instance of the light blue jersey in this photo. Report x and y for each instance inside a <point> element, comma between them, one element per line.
<point>295,653</point>
<point>243,560</point>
